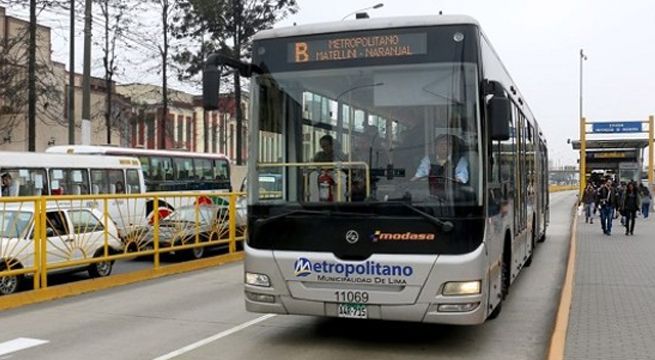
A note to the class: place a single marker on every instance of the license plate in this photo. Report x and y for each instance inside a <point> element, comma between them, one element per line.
<point>352,311</point>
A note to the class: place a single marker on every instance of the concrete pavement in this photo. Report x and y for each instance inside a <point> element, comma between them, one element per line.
<point>613,310</point>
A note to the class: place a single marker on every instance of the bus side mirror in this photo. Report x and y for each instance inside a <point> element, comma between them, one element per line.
<point>211,75</point>
<point>210,86</point>
<point>499,110</point>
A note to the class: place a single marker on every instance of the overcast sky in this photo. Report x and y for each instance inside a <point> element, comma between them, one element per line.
<point>539,42</point>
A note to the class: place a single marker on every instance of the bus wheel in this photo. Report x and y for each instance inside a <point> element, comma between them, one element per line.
<point>528,262</point>
<point>10,284</point>
<point>494,314</point>
<point>506,269</point>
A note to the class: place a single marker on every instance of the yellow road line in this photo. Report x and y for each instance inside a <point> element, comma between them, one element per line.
<point>85,286</point>
<point>558,338</point>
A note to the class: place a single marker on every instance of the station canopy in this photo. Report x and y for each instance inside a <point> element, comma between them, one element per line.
<point>608,144</point>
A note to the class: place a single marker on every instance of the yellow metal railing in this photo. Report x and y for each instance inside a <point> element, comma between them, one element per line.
<point>92,232</point>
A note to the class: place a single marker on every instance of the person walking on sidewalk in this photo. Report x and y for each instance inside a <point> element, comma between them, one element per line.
<point>645,200</point>
<point>588,199</point>
<point>630,206</point>
<point>606,201</point>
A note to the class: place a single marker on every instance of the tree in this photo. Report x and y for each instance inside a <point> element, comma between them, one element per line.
<point>116,23</point>
<point>14,84</point>
<point>231,25</point>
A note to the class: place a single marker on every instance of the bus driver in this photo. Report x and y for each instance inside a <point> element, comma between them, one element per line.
<point>444,166</point>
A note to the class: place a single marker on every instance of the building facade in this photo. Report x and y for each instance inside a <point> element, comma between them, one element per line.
<point>52,93</point>
<point>186,125</point>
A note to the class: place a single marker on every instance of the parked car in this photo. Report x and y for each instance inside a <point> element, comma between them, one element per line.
<point>72,234</point>
<point>180,228</point>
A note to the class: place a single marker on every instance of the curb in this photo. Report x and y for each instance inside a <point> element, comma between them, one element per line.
<point>92,285</point>
<point>558,337</point>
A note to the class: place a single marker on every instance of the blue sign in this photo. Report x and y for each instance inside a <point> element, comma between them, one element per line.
<point>617,127</point>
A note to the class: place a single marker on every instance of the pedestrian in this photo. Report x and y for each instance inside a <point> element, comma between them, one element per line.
<point>620,190</point>
<point>630,206</point>
<point>645,200</point>
<point>588,199</point>
<point>606,201</point>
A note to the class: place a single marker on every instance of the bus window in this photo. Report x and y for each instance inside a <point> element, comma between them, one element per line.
<point>145,166</point>
<point>69,181</point>
<point>161,168</point>
<point>116,181</point>
<point>133,183</point>
<point>184,168</point>
<point>99,183</point>
<point>26,182</point>
<point>204,169</point>
<point>221,170</point>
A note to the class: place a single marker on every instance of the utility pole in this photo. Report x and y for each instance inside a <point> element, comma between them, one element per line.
<point>86,81</point>
<point>108,69</point>
<point>236,7</point>
<point>71,78</point>
<point>164,118</point>
<point>31,79</point>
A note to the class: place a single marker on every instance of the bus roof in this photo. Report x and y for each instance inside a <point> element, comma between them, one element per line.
<point>366,24</point>
<point>10,159</point>
<point>113,150</point>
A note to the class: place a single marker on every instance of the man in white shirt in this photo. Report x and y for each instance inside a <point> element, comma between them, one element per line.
<point>447,164</point>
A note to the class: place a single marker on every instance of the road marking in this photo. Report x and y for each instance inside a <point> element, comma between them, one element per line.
<point>19,344</point>
<point>558,337</point>
<point>213,338</point>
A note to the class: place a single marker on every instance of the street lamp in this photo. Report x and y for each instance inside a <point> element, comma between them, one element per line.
<point>376,6</point>
<point>583,58</point>
<point>583,133</point>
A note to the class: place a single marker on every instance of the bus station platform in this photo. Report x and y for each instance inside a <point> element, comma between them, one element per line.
<point>612,314</point>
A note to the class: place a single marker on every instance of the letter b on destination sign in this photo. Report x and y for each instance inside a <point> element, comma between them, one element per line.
<point>302,52</point>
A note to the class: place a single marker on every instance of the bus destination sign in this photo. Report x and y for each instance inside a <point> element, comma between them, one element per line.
<point>357,47</point>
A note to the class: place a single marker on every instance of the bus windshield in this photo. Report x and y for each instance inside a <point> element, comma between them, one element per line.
<point>375,133</point>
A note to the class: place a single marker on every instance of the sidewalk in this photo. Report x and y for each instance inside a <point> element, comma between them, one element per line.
<point>613,309</point>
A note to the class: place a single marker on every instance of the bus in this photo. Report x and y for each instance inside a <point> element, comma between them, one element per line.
<point>413,173</point>
<point>44,174</point>
<point>173,171</point>
<point>167,170</point>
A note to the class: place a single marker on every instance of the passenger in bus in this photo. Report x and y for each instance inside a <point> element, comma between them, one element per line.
<point>328,153</point>
<point>6,184</point>
<point>448,164</point>
<point>120,188</point>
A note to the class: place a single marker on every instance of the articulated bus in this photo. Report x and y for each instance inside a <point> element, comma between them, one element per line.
<point>414,175</point>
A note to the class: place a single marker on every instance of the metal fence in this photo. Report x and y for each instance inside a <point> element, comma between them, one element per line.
<point>43,235</point>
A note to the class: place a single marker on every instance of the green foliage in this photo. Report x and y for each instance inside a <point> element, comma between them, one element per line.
<point>222,25</point>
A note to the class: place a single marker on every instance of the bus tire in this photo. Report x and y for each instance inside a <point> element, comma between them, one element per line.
<point>528,262</point>
<point>494,314</point>
<point>102,268</point>
<point>542,238</point>
<point>506,269</point>
<point>10,284</point>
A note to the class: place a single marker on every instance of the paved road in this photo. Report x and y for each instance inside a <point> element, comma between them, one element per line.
<point>151,319</point>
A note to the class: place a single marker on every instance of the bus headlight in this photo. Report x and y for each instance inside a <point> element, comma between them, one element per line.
<point>457,288</point>
<point>257,280</point>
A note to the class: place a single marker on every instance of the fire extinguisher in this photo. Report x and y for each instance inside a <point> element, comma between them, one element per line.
<point>325,185</point>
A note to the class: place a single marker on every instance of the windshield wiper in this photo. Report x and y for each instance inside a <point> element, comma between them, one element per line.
<point>308,212</point>
<point>446,226</point>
